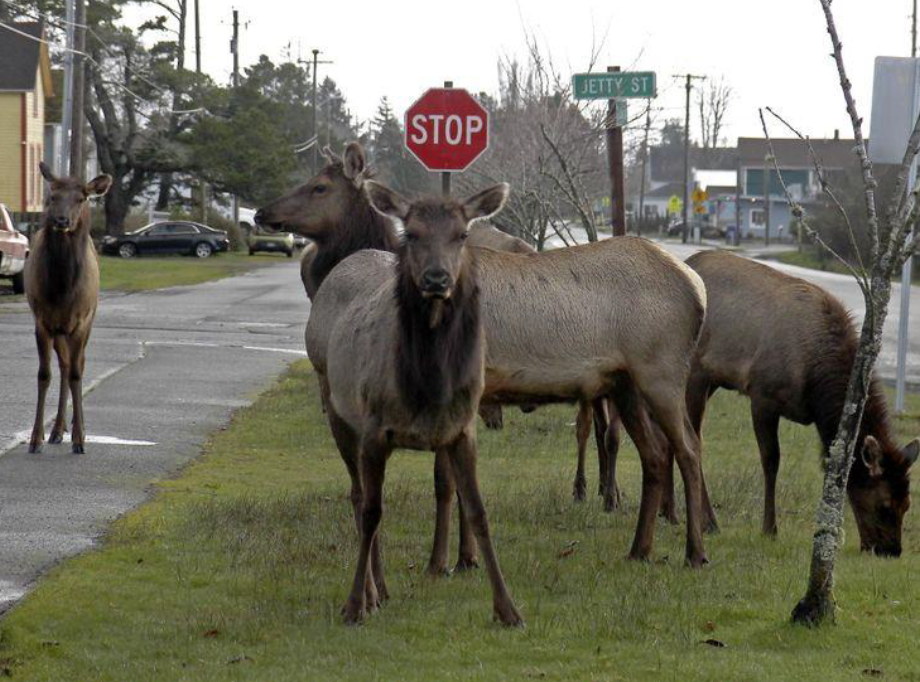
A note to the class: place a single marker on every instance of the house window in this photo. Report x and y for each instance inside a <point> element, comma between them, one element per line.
<point>757,217</point>
<point>651,211</point>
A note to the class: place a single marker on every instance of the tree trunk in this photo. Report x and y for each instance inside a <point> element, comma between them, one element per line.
<point>116,210</point>
<point>818,604</point>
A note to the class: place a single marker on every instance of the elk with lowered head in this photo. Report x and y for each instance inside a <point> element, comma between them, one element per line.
<point>62,286</point>
<point>403,367</point>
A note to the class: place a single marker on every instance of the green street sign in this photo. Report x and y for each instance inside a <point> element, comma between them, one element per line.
<point>614,85</point>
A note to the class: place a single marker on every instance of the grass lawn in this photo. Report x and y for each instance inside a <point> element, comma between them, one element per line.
<point>138,274</point>
<point>809,259</point>
<point>236,570</point>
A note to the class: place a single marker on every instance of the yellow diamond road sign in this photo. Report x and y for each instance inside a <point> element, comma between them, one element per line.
<point>674,204</point>
<point>699,195</point>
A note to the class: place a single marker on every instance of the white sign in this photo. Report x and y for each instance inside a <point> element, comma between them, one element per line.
<point>895,106</point>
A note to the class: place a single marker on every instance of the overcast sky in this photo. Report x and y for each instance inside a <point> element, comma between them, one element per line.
<point>772,53</point>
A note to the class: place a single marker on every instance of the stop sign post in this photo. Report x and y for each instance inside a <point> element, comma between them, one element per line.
<point>446,130</point>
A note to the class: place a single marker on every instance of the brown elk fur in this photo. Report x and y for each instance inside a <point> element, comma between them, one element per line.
<point>789,346</point>
<point>402,366</point>
<point>62,287</point>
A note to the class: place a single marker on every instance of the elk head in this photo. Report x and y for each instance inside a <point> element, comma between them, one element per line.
<point>67,199</point>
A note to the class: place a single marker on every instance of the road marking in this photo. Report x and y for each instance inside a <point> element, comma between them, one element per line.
<point>197,344</point>
<point>23,436</point>
<point>291,351</point>
<point>263,324</point>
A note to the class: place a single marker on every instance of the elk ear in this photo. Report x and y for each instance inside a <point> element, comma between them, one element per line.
<point>386,201</point>
<point>872,456</point>
<point>486,203</point>
<point>46,172</point>
<point>98,186</point>
<point>354,162</point>
<point>910,451</point>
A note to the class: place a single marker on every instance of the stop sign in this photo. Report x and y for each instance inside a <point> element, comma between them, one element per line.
<point>447,129</point>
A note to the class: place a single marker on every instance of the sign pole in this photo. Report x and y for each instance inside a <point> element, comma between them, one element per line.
<point>445,175</point>
<point>615,166</point>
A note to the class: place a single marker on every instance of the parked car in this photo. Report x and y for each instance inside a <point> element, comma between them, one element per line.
<point>180,237</point>
<point>300,242</point>
<point>273,242</point>
<point>14,249</point>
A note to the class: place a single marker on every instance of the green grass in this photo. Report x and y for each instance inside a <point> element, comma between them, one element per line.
<point>808,258</point>
<point>236,570</point>
<point>139,274</point>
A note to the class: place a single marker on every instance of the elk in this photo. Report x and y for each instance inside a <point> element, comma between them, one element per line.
<point>403,366</point>
<point>618,318</point>
<point>62,287</point>
<point>788,345</point>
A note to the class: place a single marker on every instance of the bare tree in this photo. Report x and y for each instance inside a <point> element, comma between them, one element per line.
<point>713,102</point>
<point>891,242</point>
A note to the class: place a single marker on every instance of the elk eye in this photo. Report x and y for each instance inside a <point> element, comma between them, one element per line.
<point>411,237</point>
<point>463,237</point>
<point>319,189</point>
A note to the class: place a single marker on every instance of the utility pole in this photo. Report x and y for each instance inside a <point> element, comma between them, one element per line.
<point>445,176</point>
<point>235,48</point>
<point>685,211</point>
<point>766,199</point>
<point>315,130</point>
<point>67,109</point>
<point>197,39</point>
<point>77,169</point>
<point>203,186</point>
<point>648,127</point>
<point>615,167</point>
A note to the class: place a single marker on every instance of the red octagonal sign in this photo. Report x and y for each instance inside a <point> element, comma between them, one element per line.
<point>447,129</point>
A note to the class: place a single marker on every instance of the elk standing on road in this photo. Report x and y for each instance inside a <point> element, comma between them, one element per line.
<point>62,286</point>
<point>404,367</point>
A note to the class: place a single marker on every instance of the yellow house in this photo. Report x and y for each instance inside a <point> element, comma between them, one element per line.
<point>25,83</point>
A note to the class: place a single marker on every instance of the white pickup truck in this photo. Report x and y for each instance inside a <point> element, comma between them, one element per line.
<point>14,249</point>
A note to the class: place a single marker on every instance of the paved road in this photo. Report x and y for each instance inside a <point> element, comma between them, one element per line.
<point>169,368</point>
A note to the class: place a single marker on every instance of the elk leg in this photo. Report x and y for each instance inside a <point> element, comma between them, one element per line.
<point>60,422</point>
<point>77,347</point>
<point>668,510</point>
<point>463,461</point>
<point>582,431</point>
<point>444,489</point>
<point>467,558</point>
<point>699,391</point>
<point>43,342</point>
<point>492,416</point>
<point>636,422</point>
<point>373,458</point>
<point>607,434</point>
<point>668,406</point>
<point>766,425</point>
<point>347,442</point>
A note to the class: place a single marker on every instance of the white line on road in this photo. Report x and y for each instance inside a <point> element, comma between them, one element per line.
<point>23,436</point>
<point>278,350</point>
<point>197,344</point>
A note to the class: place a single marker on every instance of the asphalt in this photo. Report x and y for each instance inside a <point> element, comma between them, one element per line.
<point>164,369</point>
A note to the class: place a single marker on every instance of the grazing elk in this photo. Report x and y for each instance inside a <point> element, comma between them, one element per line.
<point>618,318</point>
<point>789,346</point>
<point>62,286</point>
<point>403,366</point>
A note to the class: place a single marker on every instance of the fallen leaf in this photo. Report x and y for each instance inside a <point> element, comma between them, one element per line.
<point>872,672</point>
<point>568,550</point>
<point>213,632</point>
<point>714,643</point>
<point>708,626</point>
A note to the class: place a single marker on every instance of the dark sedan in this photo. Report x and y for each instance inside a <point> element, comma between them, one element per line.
<point>188,238</point>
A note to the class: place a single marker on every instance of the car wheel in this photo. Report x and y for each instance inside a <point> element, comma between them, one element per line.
<point>252,252</point>
<point>127,250</point>
<point>19,283</point>
<point>290,254</point>
<point>203,250</point>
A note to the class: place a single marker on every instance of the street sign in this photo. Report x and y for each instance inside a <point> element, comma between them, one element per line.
<point>895,103</point>
<point>675,204</point>
<point>614,85</point>
<point>699,209</point>
<point>446,129</point>
<point>699,195</point>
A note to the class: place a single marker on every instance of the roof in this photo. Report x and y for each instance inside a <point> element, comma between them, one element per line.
<point>833,153</point>
<point>21,57</point>
<point>666,162</point>
<point>667,191</point>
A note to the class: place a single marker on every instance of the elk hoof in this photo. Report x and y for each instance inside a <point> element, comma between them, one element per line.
<point>56,438</point>
<point>507,615</point>
<point>466,564</point>
<point>35,448</point>
<point>437,571</point>
<point>354,613</point>
<point>579,492</point>
<point>78,449</point>
<point>697,560</point>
